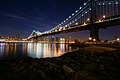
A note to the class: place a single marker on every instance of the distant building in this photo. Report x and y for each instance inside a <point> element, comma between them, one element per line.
<point>2,39</point>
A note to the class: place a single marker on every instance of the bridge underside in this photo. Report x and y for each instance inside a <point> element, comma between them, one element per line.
<point>93,28</point>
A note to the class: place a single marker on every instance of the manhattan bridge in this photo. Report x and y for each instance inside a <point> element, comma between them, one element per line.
<point>93,15</point>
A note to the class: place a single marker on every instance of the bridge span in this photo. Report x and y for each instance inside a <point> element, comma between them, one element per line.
<point>93,15</point>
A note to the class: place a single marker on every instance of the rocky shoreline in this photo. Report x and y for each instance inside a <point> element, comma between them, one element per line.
<point>81,64</point>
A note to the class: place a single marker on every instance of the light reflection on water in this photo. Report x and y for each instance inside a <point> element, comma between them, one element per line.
<point>35,50</point>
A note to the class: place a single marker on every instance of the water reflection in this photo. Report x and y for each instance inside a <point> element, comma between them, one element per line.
<point>35,50</point>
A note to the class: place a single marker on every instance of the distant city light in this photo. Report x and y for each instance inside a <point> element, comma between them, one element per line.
<point>2,40</point>
<point>99,20</point>
<point>90,38</point>
<point>94,39</point>
<point>62,39</point>
<point>118,39</point>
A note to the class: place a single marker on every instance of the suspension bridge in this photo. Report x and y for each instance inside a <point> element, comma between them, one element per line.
<point>93,15</point>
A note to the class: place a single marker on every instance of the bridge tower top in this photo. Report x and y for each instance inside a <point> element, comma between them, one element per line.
<point>92,6</point>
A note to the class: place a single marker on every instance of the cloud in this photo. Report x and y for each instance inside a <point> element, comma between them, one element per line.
<point>41,23</point>
<point>15,16</point>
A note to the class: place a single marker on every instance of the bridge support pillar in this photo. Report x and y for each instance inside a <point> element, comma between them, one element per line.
<point>94,33</point>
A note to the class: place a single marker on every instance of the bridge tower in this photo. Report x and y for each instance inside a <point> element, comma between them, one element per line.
<point>94,31</point>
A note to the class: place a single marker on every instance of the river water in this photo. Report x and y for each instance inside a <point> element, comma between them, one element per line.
<point>34,50</point>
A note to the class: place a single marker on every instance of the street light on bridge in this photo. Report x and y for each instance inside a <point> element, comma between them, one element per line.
<point>56,30</point>
<point>88,19</point>
<point>65,25</point>
<point>76,23</point>
<point>118,39</point>
<point>104,16</point>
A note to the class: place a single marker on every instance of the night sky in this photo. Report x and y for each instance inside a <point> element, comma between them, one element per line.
<point>24,16</point>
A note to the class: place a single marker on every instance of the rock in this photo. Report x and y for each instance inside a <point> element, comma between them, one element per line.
<point>19,69</point>
<point>21,61</point>
<point>31,66</point>
<point>67,69</point>
<point>41,73</point>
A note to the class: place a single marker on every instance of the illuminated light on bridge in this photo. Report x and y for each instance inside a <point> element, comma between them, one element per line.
<point>60,28</point>
<point>84,3</point>
<point>76,23</point>
<point>67,19</point>
<point>73,14</point>
<point>116,2</point>
<point>118,39</point>
<point>63,28</point>
<point>66,25</point>
<point>76,11</point>
<point>103,4</point>
<point>90,9</point>
<point>73,21</point>
<point>100,12</point>
<point>56,30</point>
<point>80,8</point>
<point>88,19</point>
<point>104,16</point>
<point>109,3</point>
<point>69,16</point>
